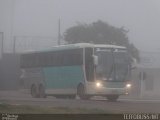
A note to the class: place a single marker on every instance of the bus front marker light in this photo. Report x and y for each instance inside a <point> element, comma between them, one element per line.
<point>98,84</point>
<point>128,85</point>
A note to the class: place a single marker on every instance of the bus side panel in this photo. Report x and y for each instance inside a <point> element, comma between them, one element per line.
<point>32,76</point>
<point>64,77</point>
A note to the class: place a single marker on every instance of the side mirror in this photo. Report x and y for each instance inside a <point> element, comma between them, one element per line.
<point>95,59</point>
<point>133,64</point>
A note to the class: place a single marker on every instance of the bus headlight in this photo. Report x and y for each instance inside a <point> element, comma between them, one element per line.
<point>128,85</point>
<point>98,84</point>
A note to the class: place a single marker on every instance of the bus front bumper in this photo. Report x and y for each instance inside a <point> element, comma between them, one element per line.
<point>102,90</point>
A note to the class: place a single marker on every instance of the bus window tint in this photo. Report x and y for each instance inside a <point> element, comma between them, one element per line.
<point>56,58</point>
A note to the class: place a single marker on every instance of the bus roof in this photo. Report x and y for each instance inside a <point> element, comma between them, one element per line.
<point>77,45</point>
<point>83,45</point>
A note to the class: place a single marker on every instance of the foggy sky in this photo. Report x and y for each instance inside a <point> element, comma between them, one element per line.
<point>40,17</point>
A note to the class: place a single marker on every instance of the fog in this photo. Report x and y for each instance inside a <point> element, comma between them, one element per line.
<point>33,24</point>
<point>40,18</point>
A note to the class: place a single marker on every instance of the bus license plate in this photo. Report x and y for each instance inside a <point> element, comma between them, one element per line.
<point>114,91</point>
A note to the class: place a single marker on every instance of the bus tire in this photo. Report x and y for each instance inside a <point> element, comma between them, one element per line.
<point>42,91</point>
<point>81,92</point>
<point>34,92</point>
<point>112,98</point>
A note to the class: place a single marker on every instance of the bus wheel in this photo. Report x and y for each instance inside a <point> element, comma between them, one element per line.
<point>81,92</point>
<point>112,98</point>
<point>42,92</point>
<point>34,91</point>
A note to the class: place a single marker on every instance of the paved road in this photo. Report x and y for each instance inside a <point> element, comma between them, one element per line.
<point>121,106</point>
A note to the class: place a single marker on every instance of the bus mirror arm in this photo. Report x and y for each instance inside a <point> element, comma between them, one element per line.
<point>133,64</point>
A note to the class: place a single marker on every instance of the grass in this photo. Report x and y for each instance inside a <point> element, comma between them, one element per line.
<point>25,109</point>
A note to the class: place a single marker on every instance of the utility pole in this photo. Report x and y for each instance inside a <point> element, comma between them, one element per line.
<point>2,43</point>
<point>14,44</point>
<point>59,31</point>
<point>12,12</point>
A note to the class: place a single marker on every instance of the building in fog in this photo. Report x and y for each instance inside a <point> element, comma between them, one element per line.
<point>147,75</point>
<point>9,72</point>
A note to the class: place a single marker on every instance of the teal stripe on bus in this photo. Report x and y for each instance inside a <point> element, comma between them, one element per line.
<point>63,77</point>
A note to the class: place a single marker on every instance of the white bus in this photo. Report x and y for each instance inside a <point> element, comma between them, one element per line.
<point>81,69</point>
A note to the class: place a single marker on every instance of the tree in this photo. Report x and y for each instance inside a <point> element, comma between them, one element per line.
<point>100,33</point>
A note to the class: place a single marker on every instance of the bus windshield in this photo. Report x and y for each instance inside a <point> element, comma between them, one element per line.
<point>121,66</point>
<point>112,66</point>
